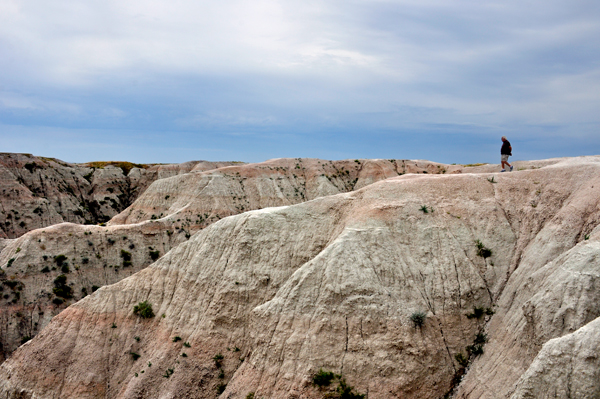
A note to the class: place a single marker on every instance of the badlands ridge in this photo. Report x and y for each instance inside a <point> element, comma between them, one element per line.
<point>458,282</point>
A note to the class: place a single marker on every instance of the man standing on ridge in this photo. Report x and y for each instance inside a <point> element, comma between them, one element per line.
<point>505,152</point>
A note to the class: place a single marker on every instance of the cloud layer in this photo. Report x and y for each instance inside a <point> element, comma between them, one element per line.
<point>249,80</point>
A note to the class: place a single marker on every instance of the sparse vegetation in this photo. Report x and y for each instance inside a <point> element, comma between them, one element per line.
<point>10,262</point>
<point>134,356</point>
<point>462,359</point>
<point>154,255</point>
<point>168,373</point>
<point>426,209</point>
<point>176,338</point>
<point>221,388</point>
<point>418,319</point>
<point>492,180</point>
<point>323,378</point>
<point>347,392</point>
<point>218,358</point>
<point>143,309</point>
<point>59,260</point>
<point>61,289</point>
<point>482,250</point>
<point>479,311</point>
<point>186,344</point>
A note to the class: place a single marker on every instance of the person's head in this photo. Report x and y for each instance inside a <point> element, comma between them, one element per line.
<point>503,138</point>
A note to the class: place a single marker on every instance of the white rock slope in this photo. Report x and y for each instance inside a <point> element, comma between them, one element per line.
<point>332,283</point>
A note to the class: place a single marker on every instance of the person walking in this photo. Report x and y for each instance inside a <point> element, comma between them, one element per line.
<point>505,152</point>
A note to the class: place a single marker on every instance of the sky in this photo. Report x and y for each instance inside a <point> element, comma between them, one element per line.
<point>159,81</point>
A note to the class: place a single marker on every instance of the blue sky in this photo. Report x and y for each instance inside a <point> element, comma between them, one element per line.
<point>171,81</point>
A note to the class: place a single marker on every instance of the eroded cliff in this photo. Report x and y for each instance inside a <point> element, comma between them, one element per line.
<point>496,265</point>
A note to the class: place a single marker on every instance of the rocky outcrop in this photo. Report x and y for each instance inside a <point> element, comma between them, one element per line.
<point>566,367</point>
<point>32,290</point>
<point>109,177</point>
<point>396,287</point>
<point>195,200</point>
<point>39,192</point>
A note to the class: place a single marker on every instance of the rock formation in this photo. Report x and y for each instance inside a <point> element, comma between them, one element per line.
<point>39,192</point>
<point>195,200</point>
<point>417,286</point>
<point>89,257</point>
<point>18,320</point>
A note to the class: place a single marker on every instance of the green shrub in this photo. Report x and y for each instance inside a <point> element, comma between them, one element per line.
<point>418,319</point>
<point>221,388</point>
<point>482,250</point>
<point>61,289</point>
<point>168,373</point>
<point>480,339</point>
<point>477,313</point>
<point>475,349</point>
<point>250,395</point>
<point>65,268</point>
<point>176,338</point>
<point>94,288</point>
<point>85,261</point>
<point>12,284</point>
<point>10,262</point>
<point>217,358</point>
<point>186,344</point>
<point>59,259</point>
<point>57,301</point>
<point>45,269</point>
<point>323,378</point>
<point>221,374</point>
<point>462,359</point>
<point>134,356</point>
<point>347,392</point>
<point>125,255</point>
<point>154,255</point>
<point>144,310</point>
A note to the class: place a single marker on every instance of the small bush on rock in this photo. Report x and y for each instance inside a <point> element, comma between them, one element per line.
<point>154,255</point>
<point>323,378</point>
<point>418,319</point>
<point>59,260</point>
<point>143,309</point>
<point>482,250</point>
<point>217,358</point>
